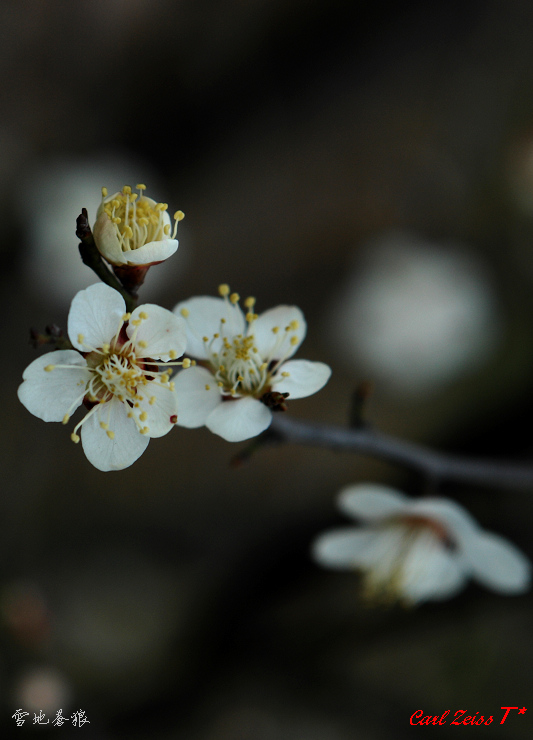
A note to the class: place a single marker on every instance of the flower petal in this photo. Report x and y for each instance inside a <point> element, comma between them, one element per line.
<point>161,333</point>
<point>195,403</point>
<point>459,524</point>
<point>345,548</point>
<point>304,379</point>
<point>239,419</point>
<point>160,403</point>
<point>430,571</point>
<point>49,395</point>
<point>497,563</point>
<point>204,320</point>
<point>95,314</point>
<point>107,241</point>
<point>150,253</point>
<point>278,345</point>
<point>120,452</point>
<point>371,501</point>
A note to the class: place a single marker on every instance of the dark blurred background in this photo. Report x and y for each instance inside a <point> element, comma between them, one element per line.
<point>369,162</point>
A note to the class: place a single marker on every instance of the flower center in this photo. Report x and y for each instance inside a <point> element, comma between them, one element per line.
<point>240,369</point>
<point>138,220</point>
<point>117,374</point>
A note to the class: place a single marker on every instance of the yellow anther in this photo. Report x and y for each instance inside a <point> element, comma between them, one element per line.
<point>184,312</point>
<point>142,344</point>
<point>222,321</point>
<point>234,298</point>
<point>220,384</point>
<point>75,438</point>
<point>193,363</point>
<point>105,347</point>
<point>221,368</point>
<point>172,385</point>
<point>126,317</point>
<point>49,368</point>
<point>128,233</point>
<point>136,322</point>
<point>275,329</point>
<point>116,220</point>
<point>285,375</point>
<point>170,371</point>
<point>126,189</point>
<point>143,416</point>
<point>144,430</point>
<point>205,339</point>
<point>250,317</point>
<point>263,366</point>
<point>104,425</point>
<point>216,336</point>
<point>164,378</point>
<point>65,419</point>
<point>294,324</point>
<point>207,387</point>
<point>133,197</point>
<point>141,186</point>
<point>240,378</point>
<point>186,363</point>
<point>249,302</point>
<point>80,338</point>
<point>179,216</point>
<point>294,340</point>
<point>104,192</point>
<point>143,315</point>
<point>172,354</point>
<point>223,289</point>
<point>152,400</point>
<point>167,229</point>
<point>110,434</point>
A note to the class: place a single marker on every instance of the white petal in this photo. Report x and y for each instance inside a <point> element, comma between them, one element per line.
<point>239,419</point>
<point>277,346</point>
<point>204,320</point>
<point>107,241</point>
<point>150,253</point>
<point>497,563</point>
<point>96,314</point>
<point>305,378</point>
<point>195,402</point>
<point>345,548</point>
<point>160,404</point>
<point>162,332</point>
<point>430,571</point>
<point>459,524</point>
<point>120,452</point>
<point>371,501</point>
<point>49,395</point>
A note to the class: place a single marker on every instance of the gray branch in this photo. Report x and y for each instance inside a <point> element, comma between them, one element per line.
<point>434,465</point>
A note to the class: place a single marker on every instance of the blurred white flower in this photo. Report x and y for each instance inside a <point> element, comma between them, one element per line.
<point>114,372</point>
<point>245,369</point>
<point>415,550</point>
<point>132,229</point>
<point>43,689</point>
<point>415,315</point>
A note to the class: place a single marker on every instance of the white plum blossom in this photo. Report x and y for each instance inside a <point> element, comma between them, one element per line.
<point>415,550</point>
<point>114,371</point>
<point>133,230</point>
<point>244,368</point>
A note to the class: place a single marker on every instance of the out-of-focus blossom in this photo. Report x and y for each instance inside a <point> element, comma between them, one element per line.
<point>415,550</point>
<point>43,689</point>
<point>245,370</point>
<point>132,229</point>
<point>113,372</point>
<point>415,315</point>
